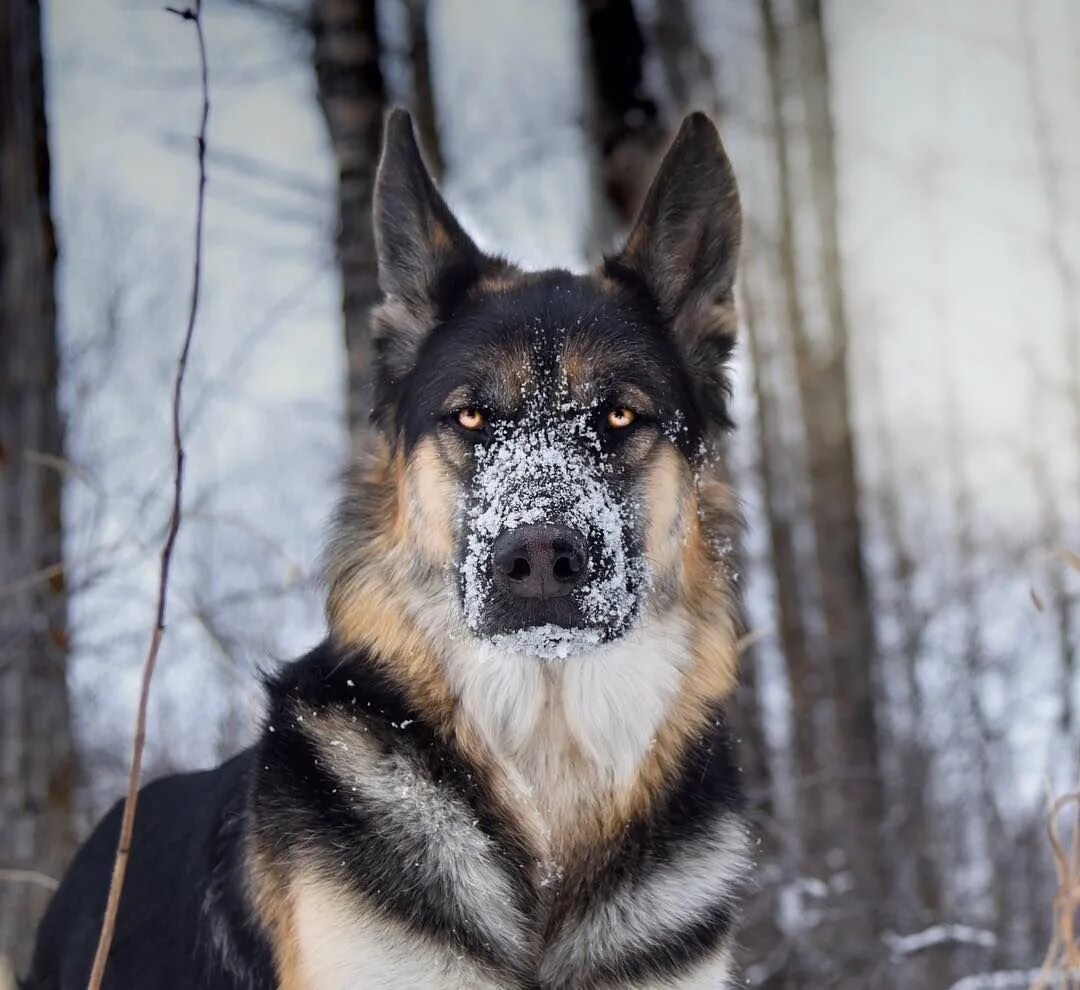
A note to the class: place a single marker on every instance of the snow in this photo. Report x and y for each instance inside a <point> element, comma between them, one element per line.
<point>549,467</point>
<point>1016,979</point>
<point>935,935</point>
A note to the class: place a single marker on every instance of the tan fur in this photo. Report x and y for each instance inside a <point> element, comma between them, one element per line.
<point>667,491</point>
<point>585,363</point>
<point>509,376</point>
<point>366,609</point>
<point>351,946</point>
<point>272,899</point>
<point>497,283</point>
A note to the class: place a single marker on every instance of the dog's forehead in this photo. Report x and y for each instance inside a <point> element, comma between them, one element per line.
<point>554,340</point>
<point>566,334</point>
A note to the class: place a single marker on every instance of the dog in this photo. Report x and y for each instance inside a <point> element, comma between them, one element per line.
<point>507,764</point>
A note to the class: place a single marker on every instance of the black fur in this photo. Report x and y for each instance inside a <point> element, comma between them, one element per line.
<point>186,920</point>
<point>301,811</point>
<point>184,899</point>
<point>543,315</point>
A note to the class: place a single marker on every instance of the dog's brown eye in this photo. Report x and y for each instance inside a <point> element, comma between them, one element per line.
<point>471,419</point>
<point>620,417</point>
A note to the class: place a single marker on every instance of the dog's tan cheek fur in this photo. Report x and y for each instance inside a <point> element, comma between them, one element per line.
<point>707,575</point>
<point>666,491</point>
<point>431,493</point>
<point>365,607</point>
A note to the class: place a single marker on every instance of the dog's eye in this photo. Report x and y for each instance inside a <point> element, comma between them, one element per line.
<point>620,418</point>
<point>471,419</point>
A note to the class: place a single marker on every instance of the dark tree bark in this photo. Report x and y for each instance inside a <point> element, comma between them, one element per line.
<point>806,679</point>
<point>627,118</point>
<point>423,95</point>
<point>845,590</point>
<point>688,68</point>
<point>351,95</point>
<point>839,678</point>
<point>36,761</point>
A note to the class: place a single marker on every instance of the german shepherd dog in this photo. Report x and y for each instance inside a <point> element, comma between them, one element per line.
<point>507,765</point>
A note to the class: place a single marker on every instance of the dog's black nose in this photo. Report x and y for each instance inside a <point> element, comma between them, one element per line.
<point>540,561</point>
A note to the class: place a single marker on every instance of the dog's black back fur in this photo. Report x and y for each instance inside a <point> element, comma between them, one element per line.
<point>183,892</point>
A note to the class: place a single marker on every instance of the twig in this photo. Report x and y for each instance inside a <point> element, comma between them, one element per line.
<point>127,824</point>
<point>29,876</point>
<point>1063,954</point>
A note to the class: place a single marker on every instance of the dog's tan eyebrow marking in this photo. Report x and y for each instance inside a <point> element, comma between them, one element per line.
<point>630,395</point>
<point>507,372</point>
<point>593,373</point>
<point>587,383</point>
<point>460,398</point>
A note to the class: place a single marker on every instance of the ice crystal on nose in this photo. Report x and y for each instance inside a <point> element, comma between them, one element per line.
<point>549,467</point>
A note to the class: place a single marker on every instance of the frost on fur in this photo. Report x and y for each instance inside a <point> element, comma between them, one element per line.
<point>549,466</point>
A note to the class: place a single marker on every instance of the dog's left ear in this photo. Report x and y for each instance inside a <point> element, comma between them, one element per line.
<point>683,250</point>
<point>427,263</point>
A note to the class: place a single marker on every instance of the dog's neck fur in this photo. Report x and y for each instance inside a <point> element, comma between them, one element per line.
<point>573,734</point>
<point>581,745</point>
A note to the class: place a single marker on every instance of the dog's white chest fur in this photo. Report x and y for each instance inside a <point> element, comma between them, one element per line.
<point>568,728</point>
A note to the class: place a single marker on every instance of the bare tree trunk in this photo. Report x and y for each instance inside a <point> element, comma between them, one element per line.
<point>844,656</point>
<point>627,118</point>
<point>806,680</point>
<point>36,762</point>
<point>917,864</point>
<point>424,103</point>
<point>845,591</point>
<point>688,68</point>
<point>350,93</point>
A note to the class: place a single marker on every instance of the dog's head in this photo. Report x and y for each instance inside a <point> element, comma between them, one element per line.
<point>551,430</point>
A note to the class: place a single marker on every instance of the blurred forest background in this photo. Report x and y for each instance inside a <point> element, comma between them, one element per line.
<point>908,398</point>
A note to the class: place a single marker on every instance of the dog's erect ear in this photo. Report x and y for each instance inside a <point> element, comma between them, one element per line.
<point>420,243</point>
<point>427,263</point>
<point>683,251</point>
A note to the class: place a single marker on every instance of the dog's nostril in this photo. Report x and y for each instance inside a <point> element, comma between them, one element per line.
<point>565,569</point>
<point>520,569</point>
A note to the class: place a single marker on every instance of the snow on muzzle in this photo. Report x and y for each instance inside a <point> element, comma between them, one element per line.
<point>546,489</point>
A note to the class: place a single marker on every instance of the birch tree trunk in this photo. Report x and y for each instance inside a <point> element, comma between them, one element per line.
<point>36,763</point>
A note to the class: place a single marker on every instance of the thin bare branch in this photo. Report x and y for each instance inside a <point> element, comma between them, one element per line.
<point>1063,953</point>
<point>127,825</point>
<point>29,876</point>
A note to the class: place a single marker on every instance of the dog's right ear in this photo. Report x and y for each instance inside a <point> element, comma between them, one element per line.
<point>427,263</point>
